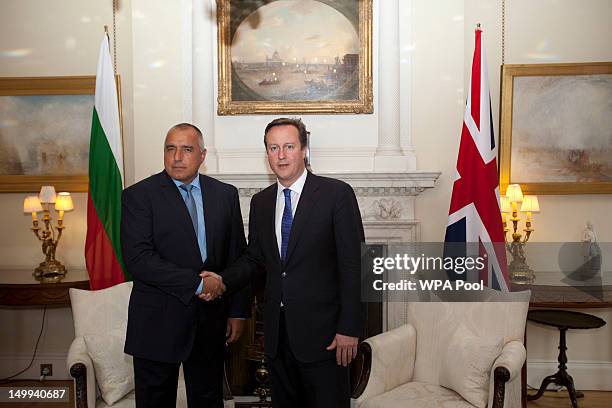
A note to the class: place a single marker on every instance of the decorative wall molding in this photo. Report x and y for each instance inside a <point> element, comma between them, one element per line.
<point>364,183</point>
<point>387,197</point>
<point>359,191</point>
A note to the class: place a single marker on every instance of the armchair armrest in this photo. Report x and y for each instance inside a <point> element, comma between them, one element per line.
<point>388,361</point>
<point>81,369</point>
<point>506,368</point>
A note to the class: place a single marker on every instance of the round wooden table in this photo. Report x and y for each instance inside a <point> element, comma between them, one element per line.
<point>19,288</point>
<point>563,320</point>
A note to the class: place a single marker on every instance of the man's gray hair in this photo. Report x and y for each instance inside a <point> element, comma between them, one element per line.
<point>186,126</point>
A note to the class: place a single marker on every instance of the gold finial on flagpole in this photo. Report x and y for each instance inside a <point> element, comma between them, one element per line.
<point>106,29</point>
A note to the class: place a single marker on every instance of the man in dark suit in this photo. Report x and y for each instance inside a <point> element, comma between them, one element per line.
<point>306,232</point>
<point>174,225</point>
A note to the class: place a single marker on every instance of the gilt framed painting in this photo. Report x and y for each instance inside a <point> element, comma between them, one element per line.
<point>556,128</point>
<point>294,56</point>
<point>45,127</point>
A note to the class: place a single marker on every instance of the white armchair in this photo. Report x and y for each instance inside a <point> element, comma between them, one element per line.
<point>450,354</point>
<point>103,374</point>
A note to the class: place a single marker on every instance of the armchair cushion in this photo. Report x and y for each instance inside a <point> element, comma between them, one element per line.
<point>417,395</point>
<point>99,311</point>
<point>504,315</point>
<point>466,365</point>
<point>113,368</point>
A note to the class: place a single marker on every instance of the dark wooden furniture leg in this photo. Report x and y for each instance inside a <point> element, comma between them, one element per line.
<point>561,377</point>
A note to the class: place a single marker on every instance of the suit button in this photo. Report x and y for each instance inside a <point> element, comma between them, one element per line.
<point>284,274</point>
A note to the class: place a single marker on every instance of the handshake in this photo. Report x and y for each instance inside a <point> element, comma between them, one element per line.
<point>213,286</point>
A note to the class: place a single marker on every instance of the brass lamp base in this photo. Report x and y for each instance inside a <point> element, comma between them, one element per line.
<point>50,271</point>
<point>521,273</point>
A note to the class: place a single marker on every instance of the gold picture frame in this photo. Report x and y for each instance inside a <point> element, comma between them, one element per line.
<point>310,85</point>
<point>553,126</point>
<point>76,118</point>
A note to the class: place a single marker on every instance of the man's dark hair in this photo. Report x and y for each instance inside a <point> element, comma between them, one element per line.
<point>296,123</point>
<point>186,126</point>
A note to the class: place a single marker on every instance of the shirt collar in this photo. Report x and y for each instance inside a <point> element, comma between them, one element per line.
<point>195,182</point>
<point>297,186</point>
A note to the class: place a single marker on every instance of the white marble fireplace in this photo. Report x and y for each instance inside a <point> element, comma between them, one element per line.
<point>386,202</point>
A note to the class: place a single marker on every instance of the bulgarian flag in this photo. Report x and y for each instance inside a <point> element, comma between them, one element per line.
<point>102,245</point>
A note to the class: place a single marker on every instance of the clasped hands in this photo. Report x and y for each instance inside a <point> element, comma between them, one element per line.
<point>213,286</point>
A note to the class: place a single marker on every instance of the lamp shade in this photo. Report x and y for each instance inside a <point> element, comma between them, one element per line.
<point>47,194</point>
<point>31,204</point>
<point>63,202</point>
<point>514,193</point>
<point>530,204</point>
<point>505,204</point>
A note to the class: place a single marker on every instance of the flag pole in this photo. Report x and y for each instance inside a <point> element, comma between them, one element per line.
<point>107,36</point>
<point>478,27</point>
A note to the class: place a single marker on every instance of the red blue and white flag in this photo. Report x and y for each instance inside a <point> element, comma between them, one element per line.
<point>474,215</point>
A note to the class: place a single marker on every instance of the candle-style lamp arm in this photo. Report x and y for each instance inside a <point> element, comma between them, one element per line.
<point>49,270</point>
<point>519,271</point>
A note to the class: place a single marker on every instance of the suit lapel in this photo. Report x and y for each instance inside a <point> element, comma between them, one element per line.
<point>210,209</point>
<point>308,198</point>
<point>170,191</point>
<point>269,215</point>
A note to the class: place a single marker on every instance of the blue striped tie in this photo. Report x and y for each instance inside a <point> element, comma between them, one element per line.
<point>191,206</point>
<point>286,224</point>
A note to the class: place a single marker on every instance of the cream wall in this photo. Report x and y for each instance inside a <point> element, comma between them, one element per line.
<point>39,39</point>
<point>536,32</point>
<point>166,58</point>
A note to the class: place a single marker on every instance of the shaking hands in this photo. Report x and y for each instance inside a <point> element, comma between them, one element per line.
<point>213,286</point>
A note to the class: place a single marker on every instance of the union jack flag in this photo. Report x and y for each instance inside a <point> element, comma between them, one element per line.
<point>474,214</point>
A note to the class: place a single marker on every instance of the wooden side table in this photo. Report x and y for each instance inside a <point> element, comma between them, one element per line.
<point>19,288</point>
<point>563,320</point>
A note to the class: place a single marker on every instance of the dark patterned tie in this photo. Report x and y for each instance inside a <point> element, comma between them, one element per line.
<point>191,206</point>
<point>286,224</point>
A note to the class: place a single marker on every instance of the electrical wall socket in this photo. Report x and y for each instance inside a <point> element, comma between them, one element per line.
<point>46,370</point>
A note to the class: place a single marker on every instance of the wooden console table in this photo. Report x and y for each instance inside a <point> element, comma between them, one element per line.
<point>550,291</point>
<point>19,288</point>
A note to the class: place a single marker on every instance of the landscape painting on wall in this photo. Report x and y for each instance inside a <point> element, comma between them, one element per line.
<point>45,126</point>
<point>310,56</point>
<point>33,142</point>
<point>557,128</point>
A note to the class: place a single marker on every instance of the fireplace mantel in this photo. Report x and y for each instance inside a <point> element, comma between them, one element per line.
<point>386,200</point>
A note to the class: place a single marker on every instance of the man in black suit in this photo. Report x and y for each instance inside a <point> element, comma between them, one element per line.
<point>306,232</point>
<point>174,225</point>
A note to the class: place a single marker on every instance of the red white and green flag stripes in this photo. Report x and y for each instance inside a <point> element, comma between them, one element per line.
<point>102,245</point>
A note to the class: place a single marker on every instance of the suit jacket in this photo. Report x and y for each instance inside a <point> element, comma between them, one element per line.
<point>161,253</point>
<point>319,282</point>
